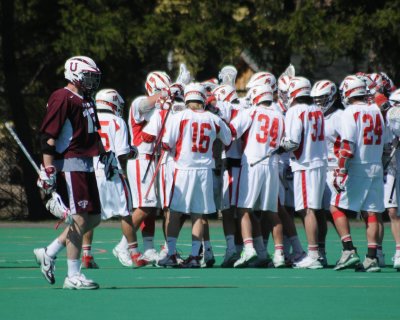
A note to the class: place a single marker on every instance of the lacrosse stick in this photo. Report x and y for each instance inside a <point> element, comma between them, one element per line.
<point>158,141</point>
<point>153,178</point>
<point>54,203</point>
<point>263,158</point>
<point>289,71</point>
<point>395,146</point>
<point>227,75</point>
<point>184,75</point>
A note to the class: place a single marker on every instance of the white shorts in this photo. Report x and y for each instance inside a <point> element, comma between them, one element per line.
<point>135,170</point>
<point>360,194</point>
<point>329,190</point>
<point>258,187</point>
<point>192,191</point>
<point>309,186</point>
<point>390,190</point>
<point>230,185</point>
<point>115,196</point>
<point>166,177</point>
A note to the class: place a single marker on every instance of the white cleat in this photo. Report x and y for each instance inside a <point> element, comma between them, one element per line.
<point>123,256</point>
<point>79,282</point>
<point>47,264</point>
<point>248,255</point>
<point>396,262</point>
<point>308,263</point>
<point>279,259</point>
<point>150,256</point>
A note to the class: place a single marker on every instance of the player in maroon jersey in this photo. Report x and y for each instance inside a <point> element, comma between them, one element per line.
<point>69,141</point>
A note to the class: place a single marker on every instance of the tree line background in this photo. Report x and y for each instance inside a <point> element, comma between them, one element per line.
<point>128,39</point>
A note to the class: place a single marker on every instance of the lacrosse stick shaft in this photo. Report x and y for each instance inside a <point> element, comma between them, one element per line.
<point>263,158</point>
<point>158,141</point>
<point>22,147</point>
<point>153,178</point>
<point>392,153</point>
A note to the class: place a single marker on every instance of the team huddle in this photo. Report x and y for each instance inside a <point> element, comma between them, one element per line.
<point>287,146</point>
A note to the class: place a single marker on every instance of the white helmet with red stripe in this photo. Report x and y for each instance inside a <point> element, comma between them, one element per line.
<point>298,87</point>
<point>83,73</point>
<point>283,87</point>
<point>324,93</point>
<point>261,78</point>
<point>352,86</point>
<point>195,92</point>
<point>394,98</point>
<point>259,94</point>
<point>225,92</point>
<point>377,81</point>
<point>156,81</point>
<point>110,99</point>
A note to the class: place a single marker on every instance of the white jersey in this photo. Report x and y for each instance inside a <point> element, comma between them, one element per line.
<point>192,133</point>
<point>262,129</point>
<point>229,111</point>
<point>333,129</point>
<point>304,124</point>
<point>137,121</point>
<point>364,126</point>
<point>114,135</point>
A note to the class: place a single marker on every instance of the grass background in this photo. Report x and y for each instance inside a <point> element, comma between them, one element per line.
<point>158,293</point>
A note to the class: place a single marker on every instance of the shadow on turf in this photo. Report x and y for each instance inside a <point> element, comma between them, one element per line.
<point>170,287</point>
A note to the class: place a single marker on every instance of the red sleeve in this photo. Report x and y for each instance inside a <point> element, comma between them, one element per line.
<point>56,114</point>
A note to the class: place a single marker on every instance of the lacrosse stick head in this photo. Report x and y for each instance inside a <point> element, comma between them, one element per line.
<point>184,76</point>
<point>290,71</point>
<point>57,208</point>
<point>227,75</point>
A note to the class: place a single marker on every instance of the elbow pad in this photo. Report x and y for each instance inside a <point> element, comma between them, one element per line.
<point>45,147</point>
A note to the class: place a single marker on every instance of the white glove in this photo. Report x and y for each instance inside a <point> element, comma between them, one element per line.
<point>47,179</point>
<point>58,209</point>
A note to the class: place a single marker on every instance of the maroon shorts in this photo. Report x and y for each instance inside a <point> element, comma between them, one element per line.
<point>79,191</point>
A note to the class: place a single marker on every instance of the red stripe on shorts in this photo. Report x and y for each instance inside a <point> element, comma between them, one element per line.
<point>304,188</point>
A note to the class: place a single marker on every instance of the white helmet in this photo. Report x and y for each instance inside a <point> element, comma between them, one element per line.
<point>394,98</point>
<point>225,92</point>
<point>324,93</point>
<point>261,78</point>
<point>298,87</point>
<point>156,81</point>
<point>283,87</point>
<point>195,92</point>
<point>82,72</point>
<point>369,83</point>
<point>377,81</point>
<point>259,94</point>
<point>352,86</point>
<point>110,99</point>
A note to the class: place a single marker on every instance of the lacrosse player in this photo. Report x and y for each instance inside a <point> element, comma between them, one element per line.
<point>69,141</point>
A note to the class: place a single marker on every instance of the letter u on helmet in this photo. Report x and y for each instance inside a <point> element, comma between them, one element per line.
<point>83,73</point>
<point>156,81</point>
<point>110,99</point>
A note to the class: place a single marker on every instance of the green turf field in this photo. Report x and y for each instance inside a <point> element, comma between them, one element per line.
<point>155,293</point>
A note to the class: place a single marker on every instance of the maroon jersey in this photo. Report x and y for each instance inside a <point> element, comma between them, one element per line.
<point>72,121</point>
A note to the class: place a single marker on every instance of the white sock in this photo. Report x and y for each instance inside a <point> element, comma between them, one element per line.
<point>296,244</point>
<point>148,243</point>
<point>171,245</point>
<point>74,267</point>
<point>248,243</point>
<point>54,248</point>
<point>196,248</point>
<point>133,248</point>
<point>230,243</point>
<point>123,244</point>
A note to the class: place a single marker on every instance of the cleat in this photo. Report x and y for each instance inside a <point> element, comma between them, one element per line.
<point>279,260</point>
<point>260,263</point>
<point>248,255</point>
<point>381,258</point>
<point>348,259</point>
<point>369,265</point>
<point>229,259</point>
<point>150,256</point>
<point>123,256</point>
<point>169,261</point>
<point>191,262</point>
<point>208,259</point>
<point>396,262</point>
<point>89,263</point>
<point>163,252</point>
<point>79,282</point>
<point>294,258</point>
<point>47,264</point>
<point>137,260</point>
<point>308,263</point>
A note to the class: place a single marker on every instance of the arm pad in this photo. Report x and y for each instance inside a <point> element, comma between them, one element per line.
<point>45,147</point>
